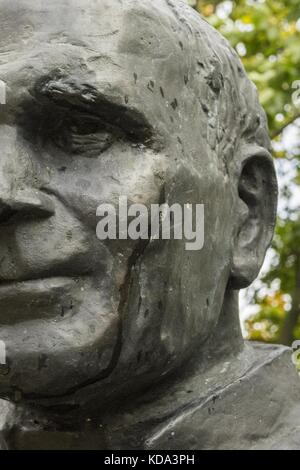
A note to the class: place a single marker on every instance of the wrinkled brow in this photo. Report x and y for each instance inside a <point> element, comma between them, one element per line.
<point>72,94</point>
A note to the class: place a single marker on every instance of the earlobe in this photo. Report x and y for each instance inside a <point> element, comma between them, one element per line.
<point>257,206</point>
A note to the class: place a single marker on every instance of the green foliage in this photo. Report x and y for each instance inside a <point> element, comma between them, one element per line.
<point>286,263</point>
<point>268,322</point>
<point>267,36</point>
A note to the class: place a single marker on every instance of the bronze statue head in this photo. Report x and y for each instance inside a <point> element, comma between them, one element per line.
<point>110,98</point>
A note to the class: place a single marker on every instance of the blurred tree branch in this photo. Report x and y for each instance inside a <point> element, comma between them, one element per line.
<point>276,133</point>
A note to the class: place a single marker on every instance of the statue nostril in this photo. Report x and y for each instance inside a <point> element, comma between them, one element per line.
<point>25,204</point>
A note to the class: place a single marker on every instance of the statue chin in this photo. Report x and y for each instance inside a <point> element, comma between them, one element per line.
<point>115,335</point>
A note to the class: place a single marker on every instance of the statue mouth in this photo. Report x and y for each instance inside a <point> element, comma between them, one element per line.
<point>55,341</point>
<point>47,298</point>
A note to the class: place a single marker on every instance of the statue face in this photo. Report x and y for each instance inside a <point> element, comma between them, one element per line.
<point>100,104</point>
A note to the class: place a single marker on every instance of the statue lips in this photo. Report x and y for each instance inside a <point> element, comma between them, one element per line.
<point>34,299</point>
<point>52,318</point>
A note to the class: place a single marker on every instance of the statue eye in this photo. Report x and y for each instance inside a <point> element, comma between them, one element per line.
<point>84,135</point>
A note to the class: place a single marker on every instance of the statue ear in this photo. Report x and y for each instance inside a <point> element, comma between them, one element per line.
<point>257,206</point>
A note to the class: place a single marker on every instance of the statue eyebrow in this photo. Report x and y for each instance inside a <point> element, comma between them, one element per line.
<point>70,94</point>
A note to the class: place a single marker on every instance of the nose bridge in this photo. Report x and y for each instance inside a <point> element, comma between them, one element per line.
<point>14,161</point>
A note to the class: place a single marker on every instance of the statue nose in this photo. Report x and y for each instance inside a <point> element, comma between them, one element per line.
<point>25,203</point>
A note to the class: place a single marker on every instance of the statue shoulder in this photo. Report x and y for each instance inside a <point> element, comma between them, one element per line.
<point>239,413</point>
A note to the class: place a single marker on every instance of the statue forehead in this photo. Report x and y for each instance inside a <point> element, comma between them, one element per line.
<point>25,19</point>
<point>142,50</point>
<point>81,15</point>
<point>139,28</point>
<point>111,37</point>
